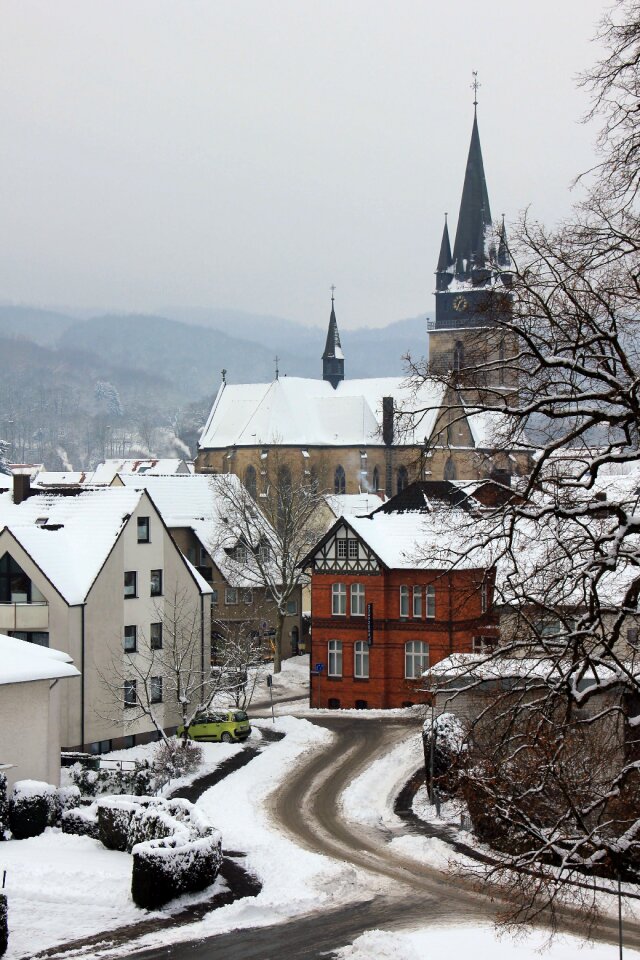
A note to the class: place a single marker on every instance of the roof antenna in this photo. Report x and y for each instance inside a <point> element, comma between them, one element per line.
<point>224,375</point>
<point>277,358</point>
<point>474,86</point>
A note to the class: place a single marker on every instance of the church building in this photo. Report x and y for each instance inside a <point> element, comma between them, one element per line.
<point>377,435</point>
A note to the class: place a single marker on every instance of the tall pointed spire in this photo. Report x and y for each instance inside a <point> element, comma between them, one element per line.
<point>333,357</point>
<point>475,212</point>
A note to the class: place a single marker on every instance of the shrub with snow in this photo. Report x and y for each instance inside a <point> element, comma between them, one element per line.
<point>33,806</point>
<point>4,925</point>
<point>83,821</point>
<point>164,869</point>
<point>4,806</point>
<point>443,742</point>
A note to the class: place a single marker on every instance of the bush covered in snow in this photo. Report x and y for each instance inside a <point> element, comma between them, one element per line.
<point>174,848</point>
<point>82,821</point>
<point>92,783</point>
<point>4,806</point>
<point>4,925</point>
<point>164,869</point>
<point>167,762</point>
<point>444,742</point>
<point>33,806</point>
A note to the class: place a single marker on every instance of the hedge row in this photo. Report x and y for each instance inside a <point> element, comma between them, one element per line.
<point>35,805</point>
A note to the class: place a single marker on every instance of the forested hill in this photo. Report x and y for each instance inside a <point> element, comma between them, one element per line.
<point>73,391</point>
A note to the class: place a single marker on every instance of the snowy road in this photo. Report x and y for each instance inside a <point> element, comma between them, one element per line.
<point>308,809</point>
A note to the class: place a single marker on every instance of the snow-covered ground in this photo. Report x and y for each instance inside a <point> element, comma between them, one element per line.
<point>479,942</point>
<point>63,887</point>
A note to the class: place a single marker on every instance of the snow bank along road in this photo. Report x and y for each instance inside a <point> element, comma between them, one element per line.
<point>308,809</point>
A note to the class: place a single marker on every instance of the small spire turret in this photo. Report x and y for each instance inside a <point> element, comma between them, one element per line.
<point>444,275</point>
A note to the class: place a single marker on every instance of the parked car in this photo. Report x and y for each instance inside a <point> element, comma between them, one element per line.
<point>225,725</point>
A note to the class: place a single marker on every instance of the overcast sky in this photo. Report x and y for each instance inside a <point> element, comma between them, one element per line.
<point>250,153</point>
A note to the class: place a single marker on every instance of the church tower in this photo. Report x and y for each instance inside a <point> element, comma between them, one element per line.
<point>333,357</point>
<point>472,281</point>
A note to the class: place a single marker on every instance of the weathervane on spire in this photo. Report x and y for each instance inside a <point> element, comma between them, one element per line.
<point>474,86</point>
<point>277,359</point>
<point>332,291</point>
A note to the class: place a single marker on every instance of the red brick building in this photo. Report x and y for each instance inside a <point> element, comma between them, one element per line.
<point>382,612</point>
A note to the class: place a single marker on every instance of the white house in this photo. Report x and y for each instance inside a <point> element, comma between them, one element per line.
<point>93,573</point>
<point>30,692</point>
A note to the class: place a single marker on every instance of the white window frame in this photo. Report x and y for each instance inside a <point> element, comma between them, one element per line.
<point>352,549</point>
<point>292,608</point>
<point>404,601</point>
<point>430,602</point>
<point>417,603</point>
<point>334,658</point>
<point>230,596</point>
<point>361,660</point>
<point>416,659</point>
<point>358,606</point>
<point>338,599</point>
<point>341,549</point>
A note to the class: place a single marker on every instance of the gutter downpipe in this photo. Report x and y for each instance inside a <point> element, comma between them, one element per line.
<point>450,616</point>
<point>82,692</point>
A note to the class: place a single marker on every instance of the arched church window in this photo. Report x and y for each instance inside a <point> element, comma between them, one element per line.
<point>402,479</point>
<point>339,480</point>
<point>450,469</point>
<point>251,481</point>
<point>458,356</point>
<point>376,479</point>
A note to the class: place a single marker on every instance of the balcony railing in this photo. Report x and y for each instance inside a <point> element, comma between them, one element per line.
<point>24,616</point>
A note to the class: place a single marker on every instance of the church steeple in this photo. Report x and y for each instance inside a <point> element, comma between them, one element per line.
<point>475,212</point>
<point>333,357</point>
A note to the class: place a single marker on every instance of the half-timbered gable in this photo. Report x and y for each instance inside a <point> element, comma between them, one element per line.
<point>343,551</point>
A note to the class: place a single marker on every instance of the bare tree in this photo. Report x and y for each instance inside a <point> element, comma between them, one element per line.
<point>562,774</point>
<point>266,539</point>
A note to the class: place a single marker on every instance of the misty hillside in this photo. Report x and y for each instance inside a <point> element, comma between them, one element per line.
<point>73,391</point>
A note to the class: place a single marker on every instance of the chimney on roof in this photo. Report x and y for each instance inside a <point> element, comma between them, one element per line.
<point>387,421</point>
<point>21,487</point>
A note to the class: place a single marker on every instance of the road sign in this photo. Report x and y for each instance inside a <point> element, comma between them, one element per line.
<point>319,667</point>
<point>269,680</point>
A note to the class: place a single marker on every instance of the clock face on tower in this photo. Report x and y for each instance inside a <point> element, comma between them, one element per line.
<point>460,304</point>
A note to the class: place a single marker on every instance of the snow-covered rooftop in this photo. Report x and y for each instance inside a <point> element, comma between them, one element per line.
<point>353,504</point>
<point>69,537</point>
<point>197,501</point>
<point>412,540</point>
<point>21,662</point>
<point>300,411</point>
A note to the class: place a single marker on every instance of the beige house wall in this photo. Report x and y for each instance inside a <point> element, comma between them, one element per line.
<point>30,729</point>
<point>108,612</point>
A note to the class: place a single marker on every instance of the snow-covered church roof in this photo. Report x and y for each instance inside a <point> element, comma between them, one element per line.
<point>299,411</point>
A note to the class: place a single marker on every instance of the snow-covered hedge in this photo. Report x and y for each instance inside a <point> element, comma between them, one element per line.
<point>83,821</point>
<point>33,806</point>
<point>4,925</point>
<point>175,849</point>
<point>164,869</point>
<point>4,806</point>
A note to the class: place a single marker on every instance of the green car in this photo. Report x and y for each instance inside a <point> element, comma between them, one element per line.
<point>225,725</point>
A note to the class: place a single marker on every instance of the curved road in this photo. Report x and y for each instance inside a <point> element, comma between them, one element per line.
<point>307,809</point>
